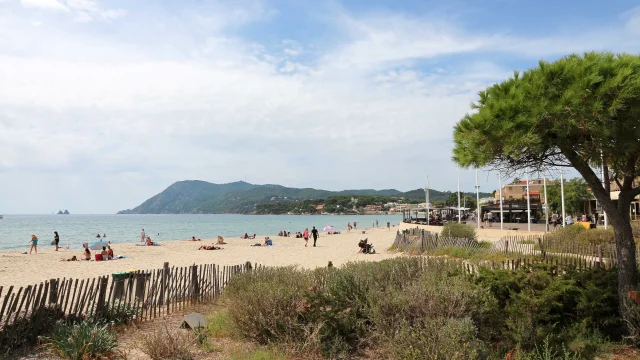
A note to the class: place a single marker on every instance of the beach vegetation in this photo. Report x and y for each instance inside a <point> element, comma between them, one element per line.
<point>25,331</point>
<point>578,235</point>
<point>84,340</point>
<point>580,111</point>
<point>164,343</point>
<point>459,231</point>
<point>116,313</point>
<point>409,308</point>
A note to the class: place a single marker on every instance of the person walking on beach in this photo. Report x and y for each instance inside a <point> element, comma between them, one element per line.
<point>490,218</point>
<point>314,232</point>
<point>305,235</point>
<point>143,236</point>
<point>34,244</point>
<point>348,227</point>
<point>56,239</point>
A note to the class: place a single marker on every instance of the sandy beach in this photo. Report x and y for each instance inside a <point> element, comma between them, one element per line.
<point>18,269</point>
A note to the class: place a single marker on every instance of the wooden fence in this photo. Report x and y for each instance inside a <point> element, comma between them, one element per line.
<point>149,293</point>
<point>514,251</point>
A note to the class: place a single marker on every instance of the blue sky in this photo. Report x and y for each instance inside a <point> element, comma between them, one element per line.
<point>105,103</point>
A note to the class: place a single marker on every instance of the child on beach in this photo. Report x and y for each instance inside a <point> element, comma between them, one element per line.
<point>34,244</point>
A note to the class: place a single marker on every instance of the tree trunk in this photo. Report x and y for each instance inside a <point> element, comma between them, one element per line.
<point>626,252</point>
<point>621,222</point>
<point>625,249</point>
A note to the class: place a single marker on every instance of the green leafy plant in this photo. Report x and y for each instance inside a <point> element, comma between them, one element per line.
<point>80,341</point>
<point>460,231</point>
<point>118,313</point>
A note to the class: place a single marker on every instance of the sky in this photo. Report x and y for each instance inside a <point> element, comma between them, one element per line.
<point>103,104</point>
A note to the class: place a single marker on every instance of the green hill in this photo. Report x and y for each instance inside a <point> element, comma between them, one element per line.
<point>201,197</point>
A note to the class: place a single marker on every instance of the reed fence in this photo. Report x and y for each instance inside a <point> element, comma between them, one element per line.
<point>512,252</point>
<point>147,294</point>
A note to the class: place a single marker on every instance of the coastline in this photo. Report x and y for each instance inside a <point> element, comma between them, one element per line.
<point>17,269</point>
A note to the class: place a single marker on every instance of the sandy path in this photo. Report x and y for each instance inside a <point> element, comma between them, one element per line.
<point>19,269</point>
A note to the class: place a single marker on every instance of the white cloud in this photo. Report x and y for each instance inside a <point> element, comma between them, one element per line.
<point>53,5</point>
<point>183,95</point>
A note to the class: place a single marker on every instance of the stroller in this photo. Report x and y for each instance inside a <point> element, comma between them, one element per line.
<point>365,247</point>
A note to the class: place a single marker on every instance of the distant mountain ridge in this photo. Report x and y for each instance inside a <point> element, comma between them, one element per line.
<point>201,197</point>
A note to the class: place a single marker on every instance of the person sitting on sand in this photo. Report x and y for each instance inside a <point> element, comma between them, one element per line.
<point>245,236</point>
<point>104,253</point>
<point>209,247</point>
<point>87,254</point>
<point>109,252</point>
<point>267,241</point>
<point>221,240</point>
<point>73,258</point>
<point>252,237</point>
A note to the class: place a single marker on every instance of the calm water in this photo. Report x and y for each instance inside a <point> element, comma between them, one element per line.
<point>16,230</point>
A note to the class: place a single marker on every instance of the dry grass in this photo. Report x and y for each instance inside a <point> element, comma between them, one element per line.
<point>165,343</point>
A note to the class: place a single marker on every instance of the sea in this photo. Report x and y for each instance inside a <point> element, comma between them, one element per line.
<point>74,230</point>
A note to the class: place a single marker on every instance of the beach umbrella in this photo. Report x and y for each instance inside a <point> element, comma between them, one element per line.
<point>98,245</point>
<point>328,227</point>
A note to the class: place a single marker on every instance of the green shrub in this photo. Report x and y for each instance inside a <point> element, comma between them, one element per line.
<point>80,341</point>
<point>219,324</point>
<point>576,234</point>
<point>461,231</point>
<point>436,339</point>
<point>163,343</point>
<point>26,331</point>
<point>436,295</point>
<point>340,310</point>
<point>547,352</point>
<point>268,305</point>
<point>118,313</point>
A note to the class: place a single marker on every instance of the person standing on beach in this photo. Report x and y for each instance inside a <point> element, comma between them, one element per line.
<point>305,235</point>
<point>554,220</point>
<point>143,236</point>
<point>355,225</point>
<point>348,227</point>
<point>490,218</point>
<point>56,239</point>
<point>34,244</point>
<point>314,232</point>
<point>376,223</point>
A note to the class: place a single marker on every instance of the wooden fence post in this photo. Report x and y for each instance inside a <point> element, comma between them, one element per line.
<point>163,283</point>
<point>102,295</point>
<point>53,291</point>
<point>544,253</point>
<point>600,262</point>
<point>506,247</point>
<point>195,287</point>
